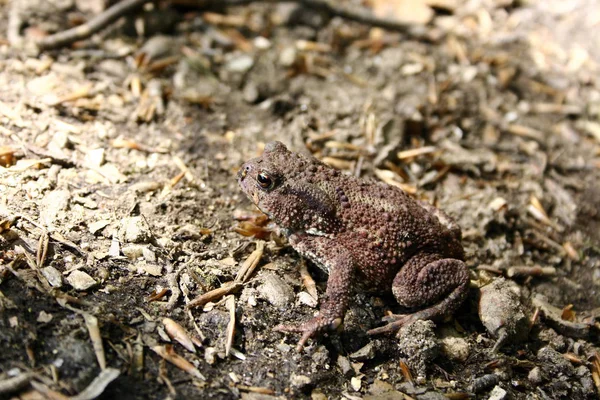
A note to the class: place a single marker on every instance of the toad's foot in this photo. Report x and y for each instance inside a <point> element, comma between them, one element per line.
<point>309,329</point>
<point>395,322</point>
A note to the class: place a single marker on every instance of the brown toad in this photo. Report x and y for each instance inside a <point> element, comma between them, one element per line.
<point>359,231</point>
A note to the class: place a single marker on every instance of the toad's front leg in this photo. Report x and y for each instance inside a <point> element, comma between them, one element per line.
<point>338,262</point>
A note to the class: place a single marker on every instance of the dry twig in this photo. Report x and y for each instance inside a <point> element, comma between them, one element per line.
<point>118,10</point>
<point>86,30</point>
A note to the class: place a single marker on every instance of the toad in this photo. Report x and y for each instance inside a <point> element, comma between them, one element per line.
<point>359,231</point>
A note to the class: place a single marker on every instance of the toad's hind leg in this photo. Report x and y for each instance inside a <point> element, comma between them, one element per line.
<point>431,285</point>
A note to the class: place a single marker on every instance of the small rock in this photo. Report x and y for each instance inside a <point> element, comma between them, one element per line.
<point>498,393</point>
<point>484,382</point>
<point>356,383</point>
<point>95,158</point>
<point>80,280</point>
<point>553,363</point>
<point>275,290</point>
<point>365,353</point>
<point>345,366</point>
<point>149,255</point>
<point>417,342</point>
<point>283,347</point>
<point>44,317</point>
<point>152,269</point>
<point>240,64</point>
<point>502,313</point>
<point>380,387</point>
<point>134,230</point>
<point>53,206</point>
<point>287,57</point>
<point>53,276</point>
<point>431,395</point>
<point>455,348</point>
<point>115,68</point>
<point>306,299</point>
<point>133,251</point>
<point>535,376</point>
<point>262,43</point>
<point>210,355</point>
<point>300,381</point>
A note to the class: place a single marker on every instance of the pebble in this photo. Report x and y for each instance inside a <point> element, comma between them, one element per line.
<point>80,280</point>
<point>300,380</point>
<point>53,206</point>
<point>535,376</point>
<point>502,313</point>
<point>133,251</point>
<point>417,342</point>
<point>498,393</point>
<point>275,290</point>
<point>240,64</point>
<point>455,348</point>
<point>95,158</point>
<point>53,276</point>
<point>148,254</point>
<point>288,56</point>
<point>364,353</point>
<point>306,299</point>
<point>345,365</point>
<point>135,230</point>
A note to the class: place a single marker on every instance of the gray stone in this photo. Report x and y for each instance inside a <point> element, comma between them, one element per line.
<point>80,280</point>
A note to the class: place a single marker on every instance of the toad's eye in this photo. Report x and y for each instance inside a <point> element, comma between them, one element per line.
<point>265,181</point>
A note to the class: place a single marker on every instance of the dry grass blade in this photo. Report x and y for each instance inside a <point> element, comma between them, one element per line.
<point>412,153</point>
<point>337,163</point>
<point>176,179</point>
<point>524,271</point>
<point>571,252</point>
<point>91,323</point>
<point>42,249</point>
<point>527,132</point>
<point>230,304</point>
<point>168,354</point>
<point>227,288</point>
<point>390,178</point>
<point>83,91</point>
<point>251,262</point>
<point>178,333</point>
<point>256,389</point>
<point>98,385</point>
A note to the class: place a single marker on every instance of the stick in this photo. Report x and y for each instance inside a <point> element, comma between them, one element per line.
<point>86,30</point>
<point>115,12</point>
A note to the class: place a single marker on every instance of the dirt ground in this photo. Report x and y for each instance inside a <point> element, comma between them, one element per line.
<point>119,203</point>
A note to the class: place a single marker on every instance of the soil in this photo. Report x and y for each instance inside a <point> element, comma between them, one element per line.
<point>118,199</point>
